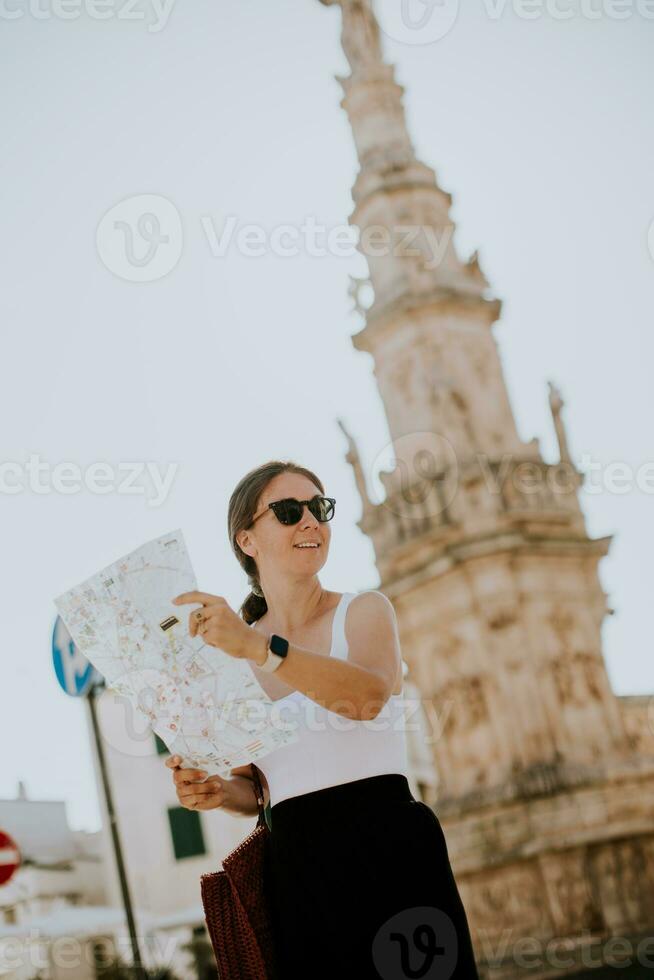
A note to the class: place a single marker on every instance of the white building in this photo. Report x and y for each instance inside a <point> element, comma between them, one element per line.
<point>166,847</point>
<point>62,915</point>
<point>53,909</point>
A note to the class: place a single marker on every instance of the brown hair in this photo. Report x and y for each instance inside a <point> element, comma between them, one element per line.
<point>243,505</point>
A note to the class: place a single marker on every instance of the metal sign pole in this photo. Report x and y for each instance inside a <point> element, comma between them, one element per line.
<point>120,865</point>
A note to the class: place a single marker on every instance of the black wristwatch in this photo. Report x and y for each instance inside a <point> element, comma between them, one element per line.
<point>277,650</point>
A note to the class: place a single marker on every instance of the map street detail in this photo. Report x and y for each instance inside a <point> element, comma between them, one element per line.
<point>206,706</point>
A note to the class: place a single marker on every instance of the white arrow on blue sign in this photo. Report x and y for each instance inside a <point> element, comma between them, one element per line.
<point>75,674</point>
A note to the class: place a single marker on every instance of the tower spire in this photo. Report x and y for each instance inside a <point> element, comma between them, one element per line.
<point>422,290</point>
<point>474,524</point>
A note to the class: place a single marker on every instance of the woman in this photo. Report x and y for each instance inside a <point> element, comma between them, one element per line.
<point>359,879</point>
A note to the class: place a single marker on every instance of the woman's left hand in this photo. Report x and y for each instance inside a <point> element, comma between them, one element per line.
<point>221,627</point>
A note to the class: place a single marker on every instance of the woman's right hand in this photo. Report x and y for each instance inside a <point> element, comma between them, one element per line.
<point>196,790</point>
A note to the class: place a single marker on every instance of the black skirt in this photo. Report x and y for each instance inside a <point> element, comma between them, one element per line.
<point>360,886</point>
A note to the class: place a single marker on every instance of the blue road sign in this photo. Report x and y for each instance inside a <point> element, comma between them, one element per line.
<point>75,674</point>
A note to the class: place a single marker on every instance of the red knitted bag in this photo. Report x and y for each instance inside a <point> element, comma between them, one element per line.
<point>235,906</point>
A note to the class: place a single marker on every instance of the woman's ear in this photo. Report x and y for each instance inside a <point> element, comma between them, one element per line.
<point>244,542</point>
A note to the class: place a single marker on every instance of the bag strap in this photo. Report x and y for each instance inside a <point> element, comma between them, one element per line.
<point>259,794</point>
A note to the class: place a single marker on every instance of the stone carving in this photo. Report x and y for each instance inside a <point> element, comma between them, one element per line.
<point>402,376</point>
<point>360,35</point>
<point>474,269</point>
<point>478,358</point>
<point>458,422</point>
<point>556,404</point>
<point>562,622</point>
<point>502,617</point>
<point>625,880</point>
<point>511,901</point>
<point>469,707</point>
<point>473,692</point>
<point>357,284</point>
<point>575,676</point>
<point>571,896</point>
<point>354,460</point>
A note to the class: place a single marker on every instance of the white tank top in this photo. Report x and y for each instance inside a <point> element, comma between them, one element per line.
<point>332,749</point>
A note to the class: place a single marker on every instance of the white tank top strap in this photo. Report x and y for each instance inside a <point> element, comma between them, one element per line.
<point>339,640</point>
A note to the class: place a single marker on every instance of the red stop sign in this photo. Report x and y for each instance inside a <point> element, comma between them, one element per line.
<point>9,857</point>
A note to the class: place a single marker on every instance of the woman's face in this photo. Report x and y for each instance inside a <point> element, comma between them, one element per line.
<point>274,546</point>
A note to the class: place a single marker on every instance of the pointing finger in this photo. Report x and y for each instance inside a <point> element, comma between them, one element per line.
<point>203,597</point>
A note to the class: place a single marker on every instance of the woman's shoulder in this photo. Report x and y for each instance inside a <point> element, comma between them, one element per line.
<point>372,635</point>
<point>369,606</point>
<point>374,599</point>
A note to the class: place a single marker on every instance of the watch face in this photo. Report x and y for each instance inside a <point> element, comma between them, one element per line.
<point>278,645</point>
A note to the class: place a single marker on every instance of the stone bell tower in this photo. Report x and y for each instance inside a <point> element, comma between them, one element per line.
<point>482,547</point>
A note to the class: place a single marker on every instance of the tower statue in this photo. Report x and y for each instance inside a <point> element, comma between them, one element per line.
<point>360,37</point>
<point>556,404</point>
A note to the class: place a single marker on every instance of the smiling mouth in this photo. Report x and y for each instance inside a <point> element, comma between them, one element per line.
<point>306,547</point>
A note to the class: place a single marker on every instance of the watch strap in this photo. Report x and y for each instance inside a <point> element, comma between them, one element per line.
<point>277,650</point>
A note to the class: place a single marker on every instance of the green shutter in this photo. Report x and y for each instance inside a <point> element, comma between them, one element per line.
<point>186,832</point>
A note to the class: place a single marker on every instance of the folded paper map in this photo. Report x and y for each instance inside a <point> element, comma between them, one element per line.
<point>205,705</point>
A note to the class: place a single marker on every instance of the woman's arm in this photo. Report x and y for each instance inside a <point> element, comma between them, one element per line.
<point>245,772</point>
<point>197,791</point>
<point>240,795</point>
<point>359,686</point>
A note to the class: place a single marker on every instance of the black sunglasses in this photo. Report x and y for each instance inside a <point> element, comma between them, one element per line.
<point>289,510</point>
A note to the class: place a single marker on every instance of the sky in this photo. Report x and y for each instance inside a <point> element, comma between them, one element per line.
<point>540,128</point>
